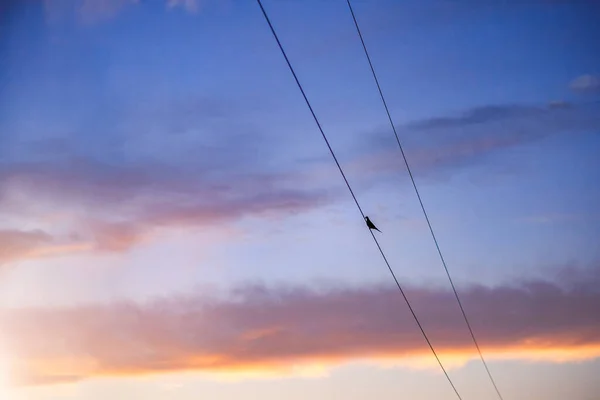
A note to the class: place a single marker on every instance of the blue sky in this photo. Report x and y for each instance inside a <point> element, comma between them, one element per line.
<point>157,160</point>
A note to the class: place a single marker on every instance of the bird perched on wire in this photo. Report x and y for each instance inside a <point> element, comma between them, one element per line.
<point>370,224</point>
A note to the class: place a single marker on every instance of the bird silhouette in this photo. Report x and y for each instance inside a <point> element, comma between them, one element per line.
<point>371,225</point>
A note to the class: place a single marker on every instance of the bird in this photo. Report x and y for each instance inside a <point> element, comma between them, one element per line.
<point>370,224</point>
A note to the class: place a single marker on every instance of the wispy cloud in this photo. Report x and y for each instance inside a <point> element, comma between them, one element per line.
<point>110,194</point>
<point>586,84</point>
<point>188,164</point>
<point>104,208</point>
<point>85,11</point>
<point>95,11</point>
<point>439,144</point>
<point>557,218</point>
<point>18,244</point>
<point>275,329</point>
<point>189,5</point>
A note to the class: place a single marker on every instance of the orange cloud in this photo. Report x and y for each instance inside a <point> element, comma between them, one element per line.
<point>266,331</point>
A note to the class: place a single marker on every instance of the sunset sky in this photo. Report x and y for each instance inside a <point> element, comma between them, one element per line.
<point>172,225</point>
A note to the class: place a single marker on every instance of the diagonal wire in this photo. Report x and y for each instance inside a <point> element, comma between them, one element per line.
<point>421,202</point>
<point>356,200</point>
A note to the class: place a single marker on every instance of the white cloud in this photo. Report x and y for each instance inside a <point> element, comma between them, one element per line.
<point>93,11</point>
<point>189,5</point>
<point>84,11</point>
<point>586,83</point>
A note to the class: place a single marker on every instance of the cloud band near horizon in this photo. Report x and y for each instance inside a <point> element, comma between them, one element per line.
<point>275,330</point>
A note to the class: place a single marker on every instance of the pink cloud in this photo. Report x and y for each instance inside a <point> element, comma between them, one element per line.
<point>15,243</point>
<point>114,210</point>
<point>274,329</point>
<point>19,244</point>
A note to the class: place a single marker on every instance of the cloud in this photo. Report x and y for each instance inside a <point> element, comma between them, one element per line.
<point>95,11</point>
<point>528,121</point>
<point>16,243</point>
<point>188,5</point>
<point>19,244</point>
<point>108,208</point>
<point>114,188</point>
<point>557,218</point>
<point>84,11</point>
<point>478,115</point>
<point>586,84</point>
<point>274,330</point>
<point>191,163</point>
<point>440,144</point>
<point>90,206</point>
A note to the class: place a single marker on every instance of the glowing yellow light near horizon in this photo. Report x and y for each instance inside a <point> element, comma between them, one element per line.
<point>4,388</point>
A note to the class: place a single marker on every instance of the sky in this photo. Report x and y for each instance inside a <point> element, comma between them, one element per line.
<point>172,224</point>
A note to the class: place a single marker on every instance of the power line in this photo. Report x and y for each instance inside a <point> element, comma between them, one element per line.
<point>421,201</point>
<point>355,199</point>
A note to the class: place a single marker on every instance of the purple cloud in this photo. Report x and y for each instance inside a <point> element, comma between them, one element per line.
<point>441,144</point>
